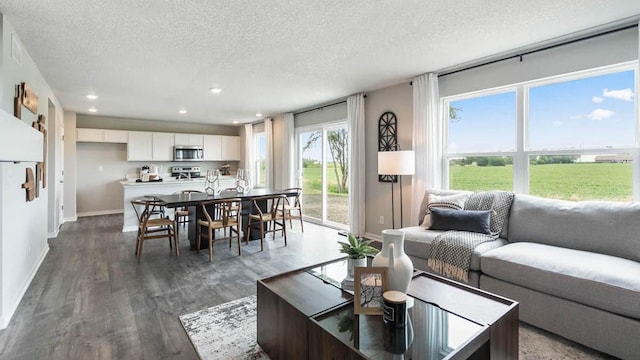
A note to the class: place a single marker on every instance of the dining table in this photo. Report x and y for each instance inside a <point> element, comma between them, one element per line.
<point>192,202</point>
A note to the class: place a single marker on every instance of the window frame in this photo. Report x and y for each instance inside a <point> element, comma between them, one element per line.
<point>523,152</point>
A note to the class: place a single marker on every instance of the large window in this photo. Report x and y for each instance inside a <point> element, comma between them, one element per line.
<point>482,141</point>
<point>569,137</point>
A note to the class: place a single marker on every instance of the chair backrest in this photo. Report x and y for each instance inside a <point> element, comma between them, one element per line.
<point>228,209</point>
<point>296,197</point>
<point>274,203</point>
<point>191,192</point>
<point>229,193</point>
<point>149,208</point>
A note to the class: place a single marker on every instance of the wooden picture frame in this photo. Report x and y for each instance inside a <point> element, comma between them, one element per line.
<point>369,285</point>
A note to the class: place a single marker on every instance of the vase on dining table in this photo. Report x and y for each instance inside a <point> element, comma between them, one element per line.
<point>243,183</point>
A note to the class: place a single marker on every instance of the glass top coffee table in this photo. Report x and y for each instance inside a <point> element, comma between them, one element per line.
<point>305,314</point>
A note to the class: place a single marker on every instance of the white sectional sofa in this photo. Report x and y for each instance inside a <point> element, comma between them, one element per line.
<point>573,266</point>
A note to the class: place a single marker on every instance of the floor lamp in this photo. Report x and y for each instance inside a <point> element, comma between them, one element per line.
<point>401,162</point>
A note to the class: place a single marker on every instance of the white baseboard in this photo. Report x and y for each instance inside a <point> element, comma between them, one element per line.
<point>53,235</point>
<point>100,212</point>
<point>6,318</point>
<point>373,236</point>
<point>70,219</point>
<point>129,228</point>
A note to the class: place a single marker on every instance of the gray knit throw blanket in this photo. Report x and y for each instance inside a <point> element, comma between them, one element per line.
<point>450,252</point>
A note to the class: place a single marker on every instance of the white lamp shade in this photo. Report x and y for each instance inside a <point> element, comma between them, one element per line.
<point>396,162</point>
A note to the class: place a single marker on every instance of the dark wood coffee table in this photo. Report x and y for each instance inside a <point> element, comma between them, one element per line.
<point>303,314</point>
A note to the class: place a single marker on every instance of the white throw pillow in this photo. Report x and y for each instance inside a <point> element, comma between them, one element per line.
<point>455,202</point>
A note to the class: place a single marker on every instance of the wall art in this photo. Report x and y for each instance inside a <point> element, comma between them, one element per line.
<point>387,139</point>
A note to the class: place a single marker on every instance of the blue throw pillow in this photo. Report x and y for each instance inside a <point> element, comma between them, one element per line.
<point>462,220</point>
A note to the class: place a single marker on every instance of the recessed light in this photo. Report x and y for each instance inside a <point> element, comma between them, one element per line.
<point>93,110</point>
<point>258,114</point>
<point>236,121</point>
<point>183,111</point>
<point>215,90</point>
<point>91,96</point>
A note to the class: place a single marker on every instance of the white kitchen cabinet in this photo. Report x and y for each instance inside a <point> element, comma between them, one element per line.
<point>115,136</point>
<point>189,139</point>
<point>140,146</point>
<point>212,147</point>
<point>101,135</point>
<point>163,146</point>
<point>89,135</point>
<point>230,148</point>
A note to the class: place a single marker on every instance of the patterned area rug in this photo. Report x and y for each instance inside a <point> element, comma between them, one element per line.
<point>226,331</point>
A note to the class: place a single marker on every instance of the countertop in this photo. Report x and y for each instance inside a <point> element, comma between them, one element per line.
<point>172,181</point>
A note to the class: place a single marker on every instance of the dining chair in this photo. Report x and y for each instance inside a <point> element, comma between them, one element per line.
<point>182,213</point>
<point>219,214</point>
<point>293,207</point>
<point>272,215</point>
<point>153,228</point>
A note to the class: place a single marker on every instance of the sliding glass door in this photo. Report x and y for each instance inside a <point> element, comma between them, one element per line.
<point>323,173</point>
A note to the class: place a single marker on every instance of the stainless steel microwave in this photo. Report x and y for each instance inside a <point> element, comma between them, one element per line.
<point>188,153</point>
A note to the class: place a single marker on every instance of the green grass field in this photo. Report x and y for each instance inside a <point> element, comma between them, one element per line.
<point>312,178</point>
<point>580,181</point>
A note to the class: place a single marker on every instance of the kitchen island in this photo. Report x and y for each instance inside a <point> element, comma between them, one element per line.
<point>136,190</point>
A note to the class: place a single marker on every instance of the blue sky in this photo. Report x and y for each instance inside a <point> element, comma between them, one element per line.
<point>585,113</point>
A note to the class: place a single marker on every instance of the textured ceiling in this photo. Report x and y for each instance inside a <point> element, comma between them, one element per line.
<point>150,58</point>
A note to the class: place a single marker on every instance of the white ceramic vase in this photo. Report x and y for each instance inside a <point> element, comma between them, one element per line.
<point>392,256</point>
<point>352,264</point>
<point>347,282</point>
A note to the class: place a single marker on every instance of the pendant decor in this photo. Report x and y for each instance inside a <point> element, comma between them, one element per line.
<point>24,97</point>
<point>387,139</point>
<point>41,167</point>
<point>30,185</point>
<point>393,256</point>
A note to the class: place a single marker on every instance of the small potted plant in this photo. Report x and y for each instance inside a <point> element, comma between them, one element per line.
<point>357,249</point>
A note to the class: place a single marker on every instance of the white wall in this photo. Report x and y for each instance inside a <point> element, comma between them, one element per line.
<point>24,224</point>
<point>322,115</point>
<point>399,100</point>
<point>588,54</point>
<point>115,123</point>
<point>70,167</point>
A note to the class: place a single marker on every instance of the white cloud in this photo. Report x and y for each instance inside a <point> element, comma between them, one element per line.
<point>600,114</point>
<point>557,123</point>
<point>622,94</point>
<point>597,100</point>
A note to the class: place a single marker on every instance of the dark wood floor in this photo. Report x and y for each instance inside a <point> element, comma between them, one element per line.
<point>91,300</point>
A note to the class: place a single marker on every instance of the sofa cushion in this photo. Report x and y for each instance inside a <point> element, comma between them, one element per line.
<point>610,228</point>
<point>461,220</point>
<point>601,281</point>
<point>425,200</point>
<point>455,202</point>
<point>417,242</point>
